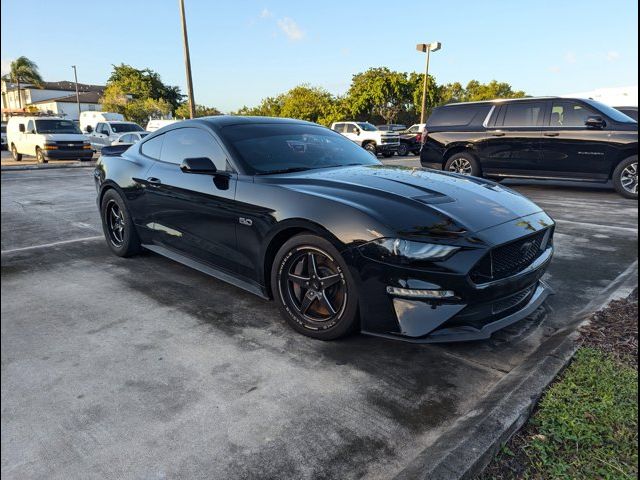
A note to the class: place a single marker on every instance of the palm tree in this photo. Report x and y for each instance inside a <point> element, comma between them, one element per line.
<point>23,70</point>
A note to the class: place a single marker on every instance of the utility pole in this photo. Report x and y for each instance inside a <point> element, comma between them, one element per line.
<point>187,62</point>
<point>428,48</point>
<point>75,74</point>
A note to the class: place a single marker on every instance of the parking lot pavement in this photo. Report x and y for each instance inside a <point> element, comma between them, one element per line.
<point>28,161</point>
<point>143,368</point>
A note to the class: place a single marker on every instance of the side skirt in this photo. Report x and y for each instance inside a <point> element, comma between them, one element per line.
<point>208,270</point>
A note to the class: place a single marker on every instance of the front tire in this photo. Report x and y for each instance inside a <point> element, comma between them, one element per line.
<point>14,153</point>
<point>403,150</point>
<point>463,163</point>
<point>371,148</point>
<point>311,284</point>
<point>625,178</point>
<point>117,225</point>
<point>40,157</point>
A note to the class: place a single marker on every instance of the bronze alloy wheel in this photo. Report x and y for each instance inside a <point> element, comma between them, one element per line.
<point>312,287</point>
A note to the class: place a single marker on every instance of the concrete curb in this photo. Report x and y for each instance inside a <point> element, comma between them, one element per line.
<point>465,451</point>
<point>13,168</point>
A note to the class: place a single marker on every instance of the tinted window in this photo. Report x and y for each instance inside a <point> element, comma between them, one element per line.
<point>569,114</point>
<point>125,127</point>
<point>609,111</point>
<point>458,115</point>
<point>55,126</point>
<point>153,147</point>
<point>267,148</point>
<point>523,114</point>
<point>192,143</point>
<point>629,112</point>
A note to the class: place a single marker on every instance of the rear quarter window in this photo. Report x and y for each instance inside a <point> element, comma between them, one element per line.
<point>152,147</point>
<point>458,116</point>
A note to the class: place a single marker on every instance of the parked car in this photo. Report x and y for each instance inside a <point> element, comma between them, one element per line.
<point>47,138</point>
<point>3,137</point>
<point>292,211</point>
<point>391,127</point>
<point>631,112</point>
<point>411,140</point>
<point>369,137</point>
<point>130,138</point>
<point>154,125</point>
<point>106,133</point>
<point>543,138</point>
<point>92,118</point>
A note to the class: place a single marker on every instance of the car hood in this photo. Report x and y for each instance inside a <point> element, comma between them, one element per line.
<point>65,137</point>
<point>414,201</point>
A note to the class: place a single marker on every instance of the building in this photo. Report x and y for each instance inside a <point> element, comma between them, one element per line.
<point>57,98</point>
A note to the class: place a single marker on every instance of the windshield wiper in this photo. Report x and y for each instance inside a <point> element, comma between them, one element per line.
<point>285,170</point>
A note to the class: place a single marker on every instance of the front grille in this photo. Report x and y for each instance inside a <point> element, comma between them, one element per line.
<point>511,302</point>
<point>511,258</point>
<point>391,140</point>
<point>70,145</point>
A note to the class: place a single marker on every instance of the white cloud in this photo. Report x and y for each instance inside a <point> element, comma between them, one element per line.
<point>266,13</point>
<point>5,66</point>
<point>554,69</point>
<point>612,56</point>
<point>290,28</point>
<point>570,57</point>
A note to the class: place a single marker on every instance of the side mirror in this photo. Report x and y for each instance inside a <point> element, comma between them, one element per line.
<point>21,128</point>
<point>595,122</point>
<point>357,132</point>
<point>89,129</point>
<point>198,165</point>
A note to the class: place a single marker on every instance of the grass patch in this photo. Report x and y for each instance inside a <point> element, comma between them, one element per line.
<point>586,425</point>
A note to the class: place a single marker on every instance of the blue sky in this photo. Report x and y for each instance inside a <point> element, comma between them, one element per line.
<point>242,51</point>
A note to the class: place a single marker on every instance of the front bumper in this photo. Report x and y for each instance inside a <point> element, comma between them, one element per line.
<point>71,154</point>
<point>477,309</point>
<point>387,147</point>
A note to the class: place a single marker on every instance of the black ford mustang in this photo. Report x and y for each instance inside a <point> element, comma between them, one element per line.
<point>292,211</point>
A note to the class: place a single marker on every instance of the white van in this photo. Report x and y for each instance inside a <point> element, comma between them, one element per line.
<point>91,119</point>
<point>47,138</point>
<point>154,125</point>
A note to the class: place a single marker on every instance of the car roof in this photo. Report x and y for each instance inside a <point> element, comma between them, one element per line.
<point>500,100</point>
<point>220,121</point>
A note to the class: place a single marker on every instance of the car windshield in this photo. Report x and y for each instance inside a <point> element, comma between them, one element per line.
<point>611,112</point>
<point>126,127</point>
<point>367,127</point>
<point>275,148</point>
<point>56,126</point>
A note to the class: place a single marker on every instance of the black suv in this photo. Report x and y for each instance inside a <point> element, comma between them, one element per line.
<point>543,138</point>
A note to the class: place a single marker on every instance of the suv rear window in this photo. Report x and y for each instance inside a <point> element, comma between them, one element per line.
<point>458,115</point>
<point>523,114</point>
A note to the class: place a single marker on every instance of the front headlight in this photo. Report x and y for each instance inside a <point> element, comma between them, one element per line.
<point>398,250</point>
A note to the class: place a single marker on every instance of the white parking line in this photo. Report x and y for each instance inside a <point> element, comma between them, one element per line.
<point>54,244</point>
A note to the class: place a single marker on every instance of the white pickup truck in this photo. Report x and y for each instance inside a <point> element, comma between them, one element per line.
<point>369,137</point>
<point>105,133</point>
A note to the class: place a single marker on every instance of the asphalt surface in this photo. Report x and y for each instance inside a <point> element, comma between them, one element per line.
<point>143,368</point>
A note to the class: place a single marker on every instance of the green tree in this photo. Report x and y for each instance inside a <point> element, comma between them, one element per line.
<point>23,70</point>
<point>416,81</point>
<point>201,111</point>
<point>476,91</point>
<point>139,94</point>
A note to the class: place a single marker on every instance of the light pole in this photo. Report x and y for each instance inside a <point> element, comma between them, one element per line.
<point>428,48</point>
<point>75,74</point>
<point>187,62</point>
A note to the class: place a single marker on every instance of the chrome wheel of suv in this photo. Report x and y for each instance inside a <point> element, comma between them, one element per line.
<point>461,165</point>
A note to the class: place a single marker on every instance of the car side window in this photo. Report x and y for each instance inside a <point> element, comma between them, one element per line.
<point>126,138</point>
<point>569,114</point>
<point>524,114</point>
<point>152,148</point>
<point>99,128</point>
<point>351,128</point>
<point>338,127</point>
<point>30,126</point>
<point>191,142</point>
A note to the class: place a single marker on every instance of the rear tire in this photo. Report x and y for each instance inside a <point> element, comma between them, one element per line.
<point>14,153</point>
<point>463,163</point>
<point>313,288</point>
<point>117,225</point>
<point>625,178</point>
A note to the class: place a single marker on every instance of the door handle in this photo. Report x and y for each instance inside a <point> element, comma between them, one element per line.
<point>498,134</point>
<point>154,181</point>
<point>551,134</point>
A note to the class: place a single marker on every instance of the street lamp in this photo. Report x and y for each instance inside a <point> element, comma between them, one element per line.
<point>187,61</point>
<point>75,74</point>
<point>428,48</point>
